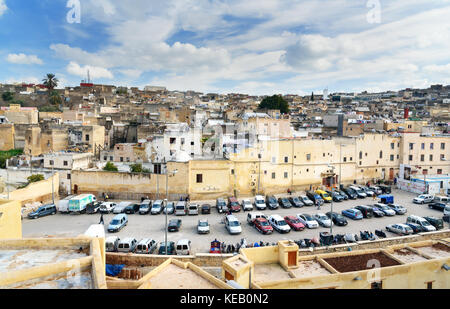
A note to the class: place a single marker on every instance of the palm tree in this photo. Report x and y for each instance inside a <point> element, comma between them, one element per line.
<point>50,82</point>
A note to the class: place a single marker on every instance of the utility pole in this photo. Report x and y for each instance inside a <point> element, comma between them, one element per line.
<point>53,190</point>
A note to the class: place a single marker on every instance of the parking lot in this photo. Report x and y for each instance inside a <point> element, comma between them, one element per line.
<point>152,226</point>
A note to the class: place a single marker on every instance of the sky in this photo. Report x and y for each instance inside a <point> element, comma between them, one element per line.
<point>258,47</point>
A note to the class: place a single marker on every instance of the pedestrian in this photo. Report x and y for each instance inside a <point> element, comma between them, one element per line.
<point>289,191</point>
<point>106,197</point>
<point>374,197</point>
<point>103,195</point>
<point>310,187</point>
<point>101,220</point>
<point>187,198</point>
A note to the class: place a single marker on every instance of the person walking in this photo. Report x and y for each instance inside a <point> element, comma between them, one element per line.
<point>101,220</point>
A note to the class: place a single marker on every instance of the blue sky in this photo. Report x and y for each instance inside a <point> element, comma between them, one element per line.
<point>252,46</point>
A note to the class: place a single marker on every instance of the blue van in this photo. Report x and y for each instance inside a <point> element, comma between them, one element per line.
<point>117,223</point>
<point>42,211</point>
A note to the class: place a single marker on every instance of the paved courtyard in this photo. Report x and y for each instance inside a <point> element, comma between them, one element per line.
<point>148,226</point>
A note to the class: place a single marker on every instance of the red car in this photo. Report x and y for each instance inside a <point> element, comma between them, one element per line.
<point>263,226</point>
<point>294,223</point>
<point>234,205</point>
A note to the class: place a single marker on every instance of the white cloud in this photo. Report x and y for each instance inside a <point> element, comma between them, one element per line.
<point>3,7</point>
<point>20,80</point>
<point>95,72</point>
<point>23,59</point>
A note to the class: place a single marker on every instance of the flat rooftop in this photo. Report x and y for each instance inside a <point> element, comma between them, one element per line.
<point>174,277</point>
<point>349,263</point>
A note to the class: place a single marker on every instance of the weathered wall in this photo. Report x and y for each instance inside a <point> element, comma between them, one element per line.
<point>37,192</point>
<point>10,219</point>
<point>6,137</point>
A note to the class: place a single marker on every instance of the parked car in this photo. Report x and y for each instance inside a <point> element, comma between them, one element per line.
<point>62,205</point>
<point>157,207</point>
<point>377,212</point>
<point>437,206</point>
<point>221,205</point>
<point>260,203</point>
<point>441,199</point>
<point>324,195</point>
<point>203,227</point>
<point>93,208</point>
<point>308,221</point>
<point>376,189</point>
<point>145,207</point>
<point>366,211</point>
<point>350,193</point>
<point>46,210</point>
<point>337,219</point>
<point>174,225</point>
<point>352,213</point>
<point>385,189</point>
<point>359,192</point>
<point>181,208</point>
<point>170,208</point>
<point>284,202</point>
<point>305,200</point>
<point>415,227</point>
<point>279,224</point>
<point>427,227</point>
<point>262,225</point>
<point>447,210</point>
<point>322,219</point>
<point>120,208</point>
<point>233,225</point>
<point>253,216</point>
<point>146,246</point>
<point>423,199</point>
<point>342,193</point>
<point>296,202</point>
<point>294,223</point>
<point>112,243</point>
<point>193,210</point>
<point>247,205</point>
<point>401,229</point>
<point>107,207</point>
<point>233,204</point>
<point>118,223</point>
<point>368,191</point>
<point>127,245</point>
<point>206,209</point>
<point>183,247</point>
<point>335,196</point>
<point>132,209</point>
<point>436,222</point>
<point>271,202</point>
<point>170,248</point>
<point>386,209</point>
<point>313,196</point>
<point>399,210</point>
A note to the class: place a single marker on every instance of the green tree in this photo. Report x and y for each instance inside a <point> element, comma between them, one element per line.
<point>51,82</point>
<point>275,102</point>
<point>7,96</point>
<point>136,168</point>
<point>55,100</point>
<point>110,167</point>
<point>35,178</point>
<point>312,96</point>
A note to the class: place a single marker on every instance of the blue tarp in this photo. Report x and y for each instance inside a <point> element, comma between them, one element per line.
<point>113,270</point>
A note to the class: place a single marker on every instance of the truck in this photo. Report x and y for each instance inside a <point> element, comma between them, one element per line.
<point>63,205</point>
<point>78,204</point>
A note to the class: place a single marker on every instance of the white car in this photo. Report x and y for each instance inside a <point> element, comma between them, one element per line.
<point>401,229</point>
<point>305,200</point>
<point>107,207</point>
<point>203,227</point>
<point>233,225</point>
<point>322,219</point>
<point>388,211</point>
<point>423,199</point>
<point>308,221</point>
<point>279,224</point>
<point>247,205</point>
<point>260,202</point>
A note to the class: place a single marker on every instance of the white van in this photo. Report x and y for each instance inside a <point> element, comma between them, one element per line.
<point>279,224</point>
<point>442,199</point>
<point>193,210</point>
<point>254,215</point>
<point>112,243</point>
<point>233,225</point>
<point>120,208</point>
<point>260,202</point>
<point>422,222</point>
<point>146,246</point>
<point>181,208</point>
<point>127,245</point>
<point>183,247</point>
<point>63,205</point>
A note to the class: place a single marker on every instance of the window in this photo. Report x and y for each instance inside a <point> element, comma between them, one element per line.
<point>345,159</point>
<point>199,178</point>
<point>442,157</point>
<point>351,158</point>
<point>410,157</point>
<point>423,145</point>
<point>273,175</point>
<point>128,159</point>
<point>392,157</point>
<point>87,137</point>
<point>439,171</point>
<point>285,174</point>
<point>111,158</point>
<point>431,145</point>
<point>422,158</point>
<point>286,159</point>
<point>182,141</point>
<point>429,285</point>
<point>121,159</point>
<point>68,176</point>
<point>431,157</point>
<point>360,154</point>
<point>324,154</point>
<point>392,145</point>
<point>66,163</point>
<point>51,162</point>
<point>411,146</point>
<point>232,172</point>
<point>376,285</point>
<point>308,157</point>
<point>381,154</point>
<point>105,158</point>
<point>173,140</point>
<point>442,146</point>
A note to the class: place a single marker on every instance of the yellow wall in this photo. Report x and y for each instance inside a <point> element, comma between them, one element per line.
<point>6,137</point>
<point>37,192</point>
<point>10,220</point>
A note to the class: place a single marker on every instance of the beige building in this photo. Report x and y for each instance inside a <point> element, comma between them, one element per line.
<point>7,136</point>
<point>20,115</point>
<point>40,141</point>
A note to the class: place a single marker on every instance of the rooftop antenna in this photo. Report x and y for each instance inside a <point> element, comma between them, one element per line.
<point>89,77</point>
